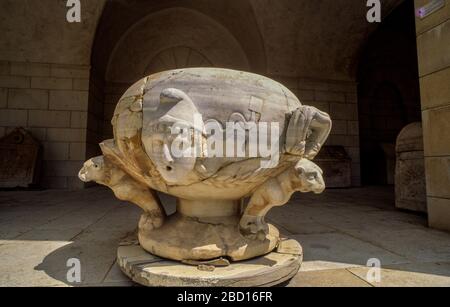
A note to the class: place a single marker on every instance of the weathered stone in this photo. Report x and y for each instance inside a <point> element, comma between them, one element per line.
<point>78,119</point>
<point>439,213</point>
<point>51,83</point>
<point>14,82</point>
<point>28,99</point>
<point>435,127</point>
<point>19,159</point>
<point>410,186</point>
<point>438,176</point>
<point>40,118</point>
<point>13,118</point>
<point>69,71</point>
<point>30,69</point>
<point>327,278</point>
<point>69,100</point>
<point>77,151</point>
<point>432,49</point>
<point>210,221</point>
<point>431,21</point>
<point>66,135</point>
<point>269,270</point>
<point>81,84</point>
<point>408,275</point>
<point>435,89</point>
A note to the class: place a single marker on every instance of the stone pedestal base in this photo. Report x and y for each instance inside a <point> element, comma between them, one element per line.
<point>269,270</point>
<point>205,230</point>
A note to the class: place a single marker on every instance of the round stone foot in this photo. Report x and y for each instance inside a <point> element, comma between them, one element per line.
<point>205,230</point>
<point>186,238</point>
<point>269,270</point>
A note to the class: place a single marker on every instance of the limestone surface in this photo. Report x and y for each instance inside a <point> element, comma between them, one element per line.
<point>410,185</point>
<point>229,145</point>
<point>271,269</point>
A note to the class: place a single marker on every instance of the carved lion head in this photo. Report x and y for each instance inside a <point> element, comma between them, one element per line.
<point>93,170</point>
<point>311,177</point>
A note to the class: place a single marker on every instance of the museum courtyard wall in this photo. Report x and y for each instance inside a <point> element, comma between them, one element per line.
<point>44,82</point>
<point>433,37</point>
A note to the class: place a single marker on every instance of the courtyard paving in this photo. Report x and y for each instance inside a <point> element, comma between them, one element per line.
<point>339,230</point>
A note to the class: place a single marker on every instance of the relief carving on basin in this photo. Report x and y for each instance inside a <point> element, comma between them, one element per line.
<point>229,145</point>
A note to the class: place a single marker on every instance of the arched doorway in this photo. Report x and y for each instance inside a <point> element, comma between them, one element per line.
<point>177,57</point>
<point>388,93</point>
<point>136,39</point>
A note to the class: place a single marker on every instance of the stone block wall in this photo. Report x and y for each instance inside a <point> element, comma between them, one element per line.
<point>433,43</point>
<point>50,101</point>
<point>339,99</point>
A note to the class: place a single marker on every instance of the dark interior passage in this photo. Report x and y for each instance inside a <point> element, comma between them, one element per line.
<point>388,93</point>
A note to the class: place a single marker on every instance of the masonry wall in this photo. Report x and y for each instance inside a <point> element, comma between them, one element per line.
<point>339,99</point>
<point>113,92</point>
<point>433,42</point>
<point>50,101</point>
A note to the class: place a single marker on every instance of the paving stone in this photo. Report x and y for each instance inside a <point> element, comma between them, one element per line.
<point>336,251</point>
<point>327,278</point>
<point>411,275</point>
<point>21,260</point>
<point>339,230</point>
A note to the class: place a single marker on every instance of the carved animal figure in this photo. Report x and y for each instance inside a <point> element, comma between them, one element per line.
<point>125,188</point>
<point>305,177</point>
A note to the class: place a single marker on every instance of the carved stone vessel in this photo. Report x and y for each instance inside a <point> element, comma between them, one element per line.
<point>228,145</point>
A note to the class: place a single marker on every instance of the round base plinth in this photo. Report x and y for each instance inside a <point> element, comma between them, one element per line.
<point>269,270</point>
<point>205,230</point>
<point>187,238</point>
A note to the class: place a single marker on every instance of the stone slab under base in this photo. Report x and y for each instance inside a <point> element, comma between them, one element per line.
<point>269,270</point>
<point>201,238</point>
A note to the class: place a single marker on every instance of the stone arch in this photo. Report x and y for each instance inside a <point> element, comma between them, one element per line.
<point>176,27</point>
<point>132,38</point>
<point>176,57</point>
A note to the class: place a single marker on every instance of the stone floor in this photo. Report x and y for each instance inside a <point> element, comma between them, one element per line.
<point>339,230</point>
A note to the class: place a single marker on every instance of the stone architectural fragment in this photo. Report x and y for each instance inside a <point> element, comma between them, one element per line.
<point>410,186</point>
<point>19,160</point>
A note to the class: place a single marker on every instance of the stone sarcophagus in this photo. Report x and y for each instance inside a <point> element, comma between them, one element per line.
<point>228,145</point>
<point>19,160</point>
<point>410,185</point>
